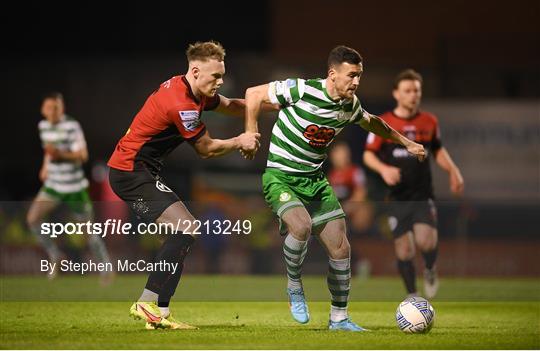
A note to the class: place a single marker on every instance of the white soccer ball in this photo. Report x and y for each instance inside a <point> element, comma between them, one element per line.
<point>415,315</point>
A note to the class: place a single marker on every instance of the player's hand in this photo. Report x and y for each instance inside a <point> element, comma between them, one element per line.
<point>391,175</point>
<point>456,182</point>
<point>249,144</point>
<point>417,150</point>
<point>53,152</point>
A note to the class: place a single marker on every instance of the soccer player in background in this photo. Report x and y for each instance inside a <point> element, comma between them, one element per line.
<point>312,113</point>
<point>171,115</point>
<point>349,183</point>
<point>412,213</point>
<point>63,179</point>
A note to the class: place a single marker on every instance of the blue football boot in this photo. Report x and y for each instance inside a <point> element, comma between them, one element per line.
<point>298,306</point>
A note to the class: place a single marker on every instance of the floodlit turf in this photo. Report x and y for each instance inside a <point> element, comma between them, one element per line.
<point>507,321</point>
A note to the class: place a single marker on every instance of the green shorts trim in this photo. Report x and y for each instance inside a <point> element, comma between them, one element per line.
<point>283,191</point>
<point>79,201</point>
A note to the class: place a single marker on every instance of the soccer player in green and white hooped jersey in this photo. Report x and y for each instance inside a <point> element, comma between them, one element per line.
<point>63,176</point>
<point>312,113</point>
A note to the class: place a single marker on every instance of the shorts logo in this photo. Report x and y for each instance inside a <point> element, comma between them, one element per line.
<point>162,187</point>
<point>392,223</point>
<point>190,119</point>
<point>140,207</point>
<point>432,210</point>
<point>284,197</point>
<point>319,137</point>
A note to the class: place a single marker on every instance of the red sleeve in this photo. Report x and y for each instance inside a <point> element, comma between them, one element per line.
<point>188,121</point>
<point>436,142</point>
<point>373,142</point>
<point>212,103</point>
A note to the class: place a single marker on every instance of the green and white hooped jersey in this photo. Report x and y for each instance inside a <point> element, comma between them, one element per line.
<point>66,135</point>
<point>307,123</point>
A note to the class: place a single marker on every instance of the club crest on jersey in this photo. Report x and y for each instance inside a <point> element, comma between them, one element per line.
<point>190,119</point>
<point>343,116</point>
<point>410,132</point>
<point>162,187</point>
<point>319,136</point>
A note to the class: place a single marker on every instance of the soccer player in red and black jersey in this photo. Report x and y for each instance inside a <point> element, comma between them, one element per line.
<point>171,115</point>
<point>349,183</point>
<point>412,214</point>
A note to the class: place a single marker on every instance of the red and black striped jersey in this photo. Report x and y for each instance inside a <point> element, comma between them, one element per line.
<point>416,182</point>
<point>171,115</point>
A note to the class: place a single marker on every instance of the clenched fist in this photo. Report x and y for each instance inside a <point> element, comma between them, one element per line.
<point>417,150</point>
<point>249,144</point>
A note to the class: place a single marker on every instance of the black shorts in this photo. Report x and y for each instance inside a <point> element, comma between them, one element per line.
<point>143,190</point>
<point>402,215</point>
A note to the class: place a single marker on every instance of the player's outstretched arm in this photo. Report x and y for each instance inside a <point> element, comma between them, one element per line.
<point>231,107</point>
<point>377,126</point>
<point>237,107</point>
<point>443,159</point>
<point>208,147</point>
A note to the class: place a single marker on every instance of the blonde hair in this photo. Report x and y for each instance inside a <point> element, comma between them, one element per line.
<point>203,51</point>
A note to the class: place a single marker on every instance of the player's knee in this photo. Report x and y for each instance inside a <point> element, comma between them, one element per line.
<point>342,251</point>
<point>427,242</point>
<point>32,220</point>
<point>300,229</point>
<point>404,251</point>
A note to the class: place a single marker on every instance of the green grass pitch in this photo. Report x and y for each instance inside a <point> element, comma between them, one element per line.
<point>242,312</point>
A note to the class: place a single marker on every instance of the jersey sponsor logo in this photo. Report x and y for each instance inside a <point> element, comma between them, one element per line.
<point>319,137</point>
<point>400,152</point>
<point>162,187</point>
<point>284,197</point>
<point>190,119</point>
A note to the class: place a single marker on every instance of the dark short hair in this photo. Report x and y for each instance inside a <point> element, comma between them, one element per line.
<point>408,74</point>
<point>204,51</point>
<point>341,54</point>
<point>53,95</point>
